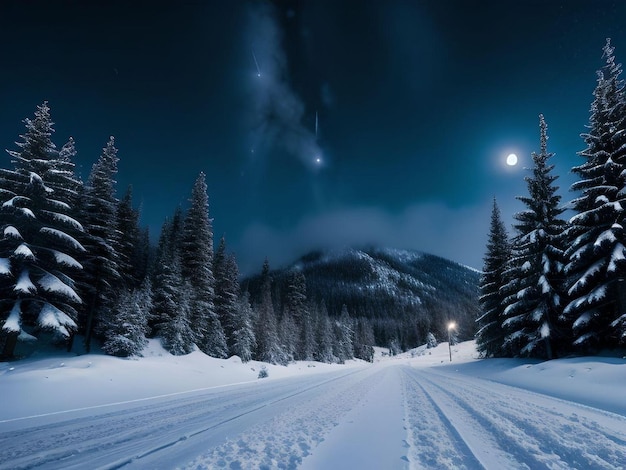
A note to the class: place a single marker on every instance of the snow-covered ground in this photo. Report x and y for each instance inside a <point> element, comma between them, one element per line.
<point>416,410</point>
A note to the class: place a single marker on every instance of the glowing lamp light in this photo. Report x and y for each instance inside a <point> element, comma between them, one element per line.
<point>451,326</point>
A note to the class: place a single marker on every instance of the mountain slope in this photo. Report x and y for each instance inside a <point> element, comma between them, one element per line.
<point>406,294</point>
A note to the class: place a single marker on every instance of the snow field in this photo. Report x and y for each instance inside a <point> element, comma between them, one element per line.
<point>416,411</point>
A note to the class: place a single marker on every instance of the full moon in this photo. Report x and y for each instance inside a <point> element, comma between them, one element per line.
<point>511,160</point>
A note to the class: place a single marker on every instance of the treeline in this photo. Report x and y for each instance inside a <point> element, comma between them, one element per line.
<point>557,286</point>
<point>75,262</point>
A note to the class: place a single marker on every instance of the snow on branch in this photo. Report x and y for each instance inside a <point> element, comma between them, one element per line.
<point>27,212</point>
<point>66,219</point>
<point>11,202</point>
<point>66,259</point>
<point>53,318</point>
<point>12,323</point>
<point>5,266</point>
<point>59,204</point>
<point>63,236</point>
<point>616,257</point>
<point>12,232</point>
<point>593,269</point>
<point>24,284</point>
<point>51,283</point>
<point>24,252</point>
<point>607,235</point>
<point>582,320</point>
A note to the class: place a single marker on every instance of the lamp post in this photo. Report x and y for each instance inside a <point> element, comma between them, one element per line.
<point>451,326</point>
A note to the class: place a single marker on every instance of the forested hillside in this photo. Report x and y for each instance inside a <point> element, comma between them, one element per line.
<point>403,294</point>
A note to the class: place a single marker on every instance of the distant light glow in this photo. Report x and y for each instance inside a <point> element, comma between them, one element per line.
<point>318,160</point>
<point>511,160</point>
<point>451,326</point>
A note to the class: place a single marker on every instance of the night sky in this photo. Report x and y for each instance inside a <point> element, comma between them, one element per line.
<point>418,104</point>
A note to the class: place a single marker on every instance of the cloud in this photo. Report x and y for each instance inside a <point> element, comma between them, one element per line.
<point>459,234</point>
<point>277,110</point>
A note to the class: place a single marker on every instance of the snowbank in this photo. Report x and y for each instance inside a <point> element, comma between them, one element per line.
<point>594,381</point>
<point>55,382</point>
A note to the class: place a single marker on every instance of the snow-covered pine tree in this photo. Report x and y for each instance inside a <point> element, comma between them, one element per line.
<point>309,337</point>
<point>242,340</point>
<point>364,340</point>
<point>344,331</point>
<point>490,335</point>
<point>63,176</point>
<point>532,315</point>
<point>325,337</point>
<point>288,335</point>
<point>99,213</point>
<point>165,279</point>
<point>197,263</point>
<point>596,253</point>
<point>176,333</point>
<point>431,341</point>
<point>170,312</point>
<point>295,313</point>
<point>266,332</point>
<point>37,250</point>
<point>126,334</point>
<point>131,262</point>
<point>227,293</point>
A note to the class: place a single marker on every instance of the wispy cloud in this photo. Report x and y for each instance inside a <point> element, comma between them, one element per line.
<point>277,110</point>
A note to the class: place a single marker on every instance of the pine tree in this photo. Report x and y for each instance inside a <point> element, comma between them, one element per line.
<point>344,331</point>
<point>37,249</point>
<point>227,293</point>
<point>164,280</point>
<point>596,253</point>
<point>364,340</point>
<point>295,314</point>
<point>490,335</point>
<point>532,316</point>
<point>130,249</point>
<point>266,331</point>
<point>197,262</point>
<point>309,345</point>
<point>99,212</point>
<point>325,337</point>
<point>126,334</point>
<point>176,332</point>
<point>242,340</point>
<point>288,335</point>
<point>63,175</point>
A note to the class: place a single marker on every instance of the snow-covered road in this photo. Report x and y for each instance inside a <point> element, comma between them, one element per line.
<point>385,416</point>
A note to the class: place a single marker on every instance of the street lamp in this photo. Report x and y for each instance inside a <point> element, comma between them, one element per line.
<point>451,326</point>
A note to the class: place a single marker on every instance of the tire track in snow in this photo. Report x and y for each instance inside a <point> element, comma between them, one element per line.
<point>289,436</point>
<point>123,435</point>
<point>433,440</point>
<point>538,431</point>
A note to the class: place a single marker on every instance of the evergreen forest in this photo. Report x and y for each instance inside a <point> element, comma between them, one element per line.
<point>557,287</point>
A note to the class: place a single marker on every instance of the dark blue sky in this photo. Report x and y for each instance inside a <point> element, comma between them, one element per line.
<point>418,104</point>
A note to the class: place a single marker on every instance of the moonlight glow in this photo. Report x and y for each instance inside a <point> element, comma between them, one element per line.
<point>511,160</point>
